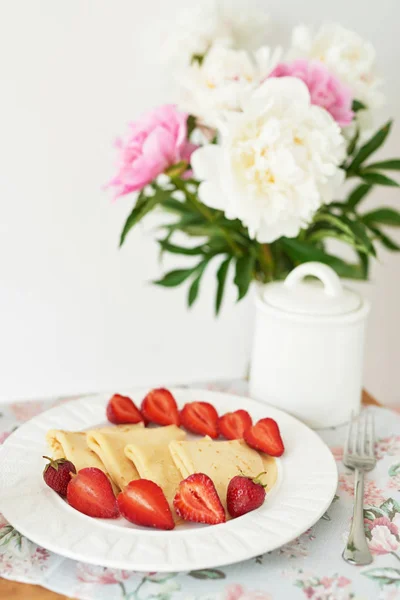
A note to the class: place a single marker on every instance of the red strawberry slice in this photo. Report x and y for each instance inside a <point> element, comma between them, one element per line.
<point>201,418</point>
<point>143,503</point>
<point>91,493</point>
<point>197,500</point>
<point>121,409</point>
<point>233,425</point>
<point>159,406</point>
<point>57,474</point>
<point>243,495</point>
<point>265,436</point>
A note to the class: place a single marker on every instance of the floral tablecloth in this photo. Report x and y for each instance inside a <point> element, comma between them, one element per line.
<point>309,567</point>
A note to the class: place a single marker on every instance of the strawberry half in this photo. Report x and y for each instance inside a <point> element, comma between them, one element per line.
<point>197,500</point>
<point>201,418</point>
<point>91,493</point>
<point>121,409</point>
<point>159,406</point>
<point>244,495</point>
<point>233,425</point>
<point>265,436</point>
<point>57,474</point>
<point>143,503</point>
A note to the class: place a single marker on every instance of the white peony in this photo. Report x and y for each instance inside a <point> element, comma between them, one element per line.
<point>233,23</point>
<point>349,57</point>
<point>223,80</point>
<point>278,161</point>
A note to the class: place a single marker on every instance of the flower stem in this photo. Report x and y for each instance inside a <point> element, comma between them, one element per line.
<point>266,261</point>
<point>206,213</point>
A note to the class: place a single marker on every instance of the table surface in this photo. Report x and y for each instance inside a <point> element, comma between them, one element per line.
<point>12,590</point>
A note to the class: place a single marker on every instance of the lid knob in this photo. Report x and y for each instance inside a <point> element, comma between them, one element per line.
<point>331,281</point>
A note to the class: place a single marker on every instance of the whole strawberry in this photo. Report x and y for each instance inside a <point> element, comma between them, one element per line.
<point>57,474</point>
<point>244,495</point>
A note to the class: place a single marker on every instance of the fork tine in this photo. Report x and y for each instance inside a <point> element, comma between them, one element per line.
<point>356,436</point>
<point>363,431</point>
<point>346,449</point>
<point>371,436</point>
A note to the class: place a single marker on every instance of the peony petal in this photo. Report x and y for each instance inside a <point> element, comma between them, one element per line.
<point>287,90</point>
<point>206,161</point>
<point>211,195</point>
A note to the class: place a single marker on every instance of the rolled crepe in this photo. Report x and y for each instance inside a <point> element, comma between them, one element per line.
<point>151,456</point>
<point>108,444</point>
<point>72,445</point>
<point>221,461</point>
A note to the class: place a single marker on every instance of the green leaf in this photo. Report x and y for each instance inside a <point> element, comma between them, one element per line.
<point>322,234</point>
<point>357,105</point>
<point>361,234</point>
<point>194,288</point>
<point>221,278</point>
<point>143,207</point>
<point>353,143</point>
<point>301,252</point>
<point>207,574</point>
<point>168,247</point>
<point>191,125</point>
<point>384,216</point>
<point>175,206</point>
<point>390,507</point>
<point>384,575</point>
<point>385,165</point>
<point>176,277</point>
<point>394,470</point>
<point>371,514</point>
<point>378,179</point>
<point>364,263</point>
<point>358,194</point>
<point>385,240</point>
<point>244,274</point>
<point>333,220</point>
<point>370,147</point>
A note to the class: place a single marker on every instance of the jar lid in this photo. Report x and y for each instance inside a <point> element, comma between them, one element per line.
<point>324,297</point>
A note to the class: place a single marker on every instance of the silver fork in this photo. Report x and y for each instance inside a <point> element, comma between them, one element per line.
<point>359,456</point>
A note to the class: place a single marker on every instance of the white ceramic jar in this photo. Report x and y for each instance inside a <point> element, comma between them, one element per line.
<point>308,346</point>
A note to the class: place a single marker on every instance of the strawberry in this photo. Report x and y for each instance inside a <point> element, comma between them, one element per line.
<point>57,474</point>
<point>200,417</point>
<point>244,494</point>
<point>143,503</point>
<point>265,436</point>
<point>91,493</point>
<point>121,409</point>
<point>197,500</point>
<point>233,425</point>
<point>159,406</point>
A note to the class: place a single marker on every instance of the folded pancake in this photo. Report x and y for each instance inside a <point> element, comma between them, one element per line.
<point>72,446</point>
<point>109,443</point>
<point>221,461</point>
<point>151,456</point>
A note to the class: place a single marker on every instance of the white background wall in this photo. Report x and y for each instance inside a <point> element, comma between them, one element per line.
<point>76,314</point>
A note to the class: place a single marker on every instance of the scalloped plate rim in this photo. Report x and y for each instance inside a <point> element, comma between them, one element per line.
<point>188,541</point>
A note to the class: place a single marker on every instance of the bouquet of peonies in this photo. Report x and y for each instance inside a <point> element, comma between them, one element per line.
<point>252,159</point>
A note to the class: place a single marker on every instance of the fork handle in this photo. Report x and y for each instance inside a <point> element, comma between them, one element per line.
<point>357,551</point>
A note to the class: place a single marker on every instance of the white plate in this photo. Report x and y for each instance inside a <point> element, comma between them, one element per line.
<point>306,485</point>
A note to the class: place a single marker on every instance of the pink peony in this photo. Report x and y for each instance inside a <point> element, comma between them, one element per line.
<point>155,142</point>
<point>236,591</point>
<point>384,535</point>
<point>382,540</point>
<point>101,575</point>
<point>325,89</point>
